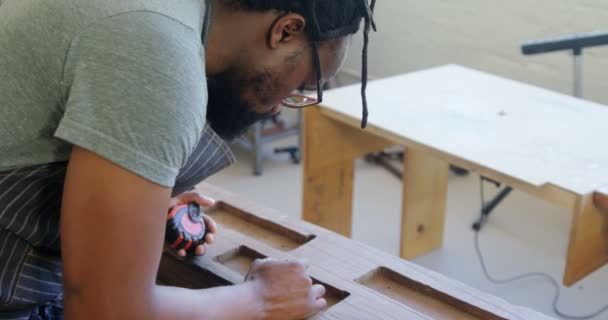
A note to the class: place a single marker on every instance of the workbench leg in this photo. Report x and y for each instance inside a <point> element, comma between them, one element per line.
<point>588,248</point>
<point>328,195</point>
<point>425,186</point>
<point>329,151</point>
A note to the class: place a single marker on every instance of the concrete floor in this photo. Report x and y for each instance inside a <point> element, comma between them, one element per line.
<point>524,234</point>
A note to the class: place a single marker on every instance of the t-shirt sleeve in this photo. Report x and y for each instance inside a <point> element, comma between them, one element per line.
<point>136,93</point>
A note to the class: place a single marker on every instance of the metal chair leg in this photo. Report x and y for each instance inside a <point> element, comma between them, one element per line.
<point>300,131</point>
<point>257,148</point>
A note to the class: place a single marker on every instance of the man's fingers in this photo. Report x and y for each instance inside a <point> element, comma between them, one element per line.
<point>298,263</point>
<point>210,224</point>
<point>319,305</point>
<point>318,291</point>
<point>256,265</point>
<point>304,262</point>
<point>201,200</point>
<point>209,238</point>
<point>263,263</point>
<point>181,253</point>
<point>200,250</point>
<point>173,202</point>
<point>195,197</point>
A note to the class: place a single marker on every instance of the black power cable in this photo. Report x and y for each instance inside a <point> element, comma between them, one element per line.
<point>542,275</point>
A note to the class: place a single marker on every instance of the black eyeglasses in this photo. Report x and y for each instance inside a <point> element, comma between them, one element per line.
<point>302,101</point>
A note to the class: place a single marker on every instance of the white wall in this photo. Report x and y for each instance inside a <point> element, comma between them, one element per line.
<point>486,35</point>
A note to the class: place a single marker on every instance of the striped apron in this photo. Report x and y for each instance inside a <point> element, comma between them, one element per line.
<point>30,199</point>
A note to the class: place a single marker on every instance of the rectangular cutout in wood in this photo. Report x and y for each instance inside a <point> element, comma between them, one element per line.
<point>173,272</point>
<point>266,231</point>
<point>333,295</point>
<point>240,259</point>
<point>426,300</point>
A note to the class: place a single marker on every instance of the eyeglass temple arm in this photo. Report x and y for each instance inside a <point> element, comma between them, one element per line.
<point>317,64</point>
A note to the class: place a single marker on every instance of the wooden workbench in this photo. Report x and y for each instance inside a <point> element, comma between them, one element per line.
<point>544,143</point>
<point>362,282</point>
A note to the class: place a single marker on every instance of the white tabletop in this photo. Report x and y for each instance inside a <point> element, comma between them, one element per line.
<point>532,134</point>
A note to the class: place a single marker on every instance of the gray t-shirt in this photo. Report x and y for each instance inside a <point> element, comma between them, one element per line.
<point>122,78</point>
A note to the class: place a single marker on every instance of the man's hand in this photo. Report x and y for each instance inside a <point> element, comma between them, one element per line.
<point>287,292</point>
<point>203,202</point>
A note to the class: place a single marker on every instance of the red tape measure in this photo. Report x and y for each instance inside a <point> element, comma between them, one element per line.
<point>185,227</point>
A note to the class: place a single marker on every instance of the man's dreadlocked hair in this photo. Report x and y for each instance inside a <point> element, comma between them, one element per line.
<point>327,19</point>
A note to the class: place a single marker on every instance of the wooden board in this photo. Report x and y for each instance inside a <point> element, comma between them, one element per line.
<point>362,282</point>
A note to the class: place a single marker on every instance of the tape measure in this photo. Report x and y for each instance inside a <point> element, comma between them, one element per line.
<point>185,227</point>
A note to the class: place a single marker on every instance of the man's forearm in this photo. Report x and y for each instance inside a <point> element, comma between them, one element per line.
<point>170,303</point>
<point>231,302</point>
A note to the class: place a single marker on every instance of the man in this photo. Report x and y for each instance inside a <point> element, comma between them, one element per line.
<point>105,116</point>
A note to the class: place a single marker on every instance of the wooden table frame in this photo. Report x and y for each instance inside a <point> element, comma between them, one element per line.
<point>332,142</point>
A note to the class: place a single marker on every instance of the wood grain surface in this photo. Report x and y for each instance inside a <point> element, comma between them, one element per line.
<point>363,283</point>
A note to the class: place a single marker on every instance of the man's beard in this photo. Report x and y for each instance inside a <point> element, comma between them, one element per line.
<point>227,113</point>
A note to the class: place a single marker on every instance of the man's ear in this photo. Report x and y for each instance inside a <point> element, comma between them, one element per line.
<point>286,28</point>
